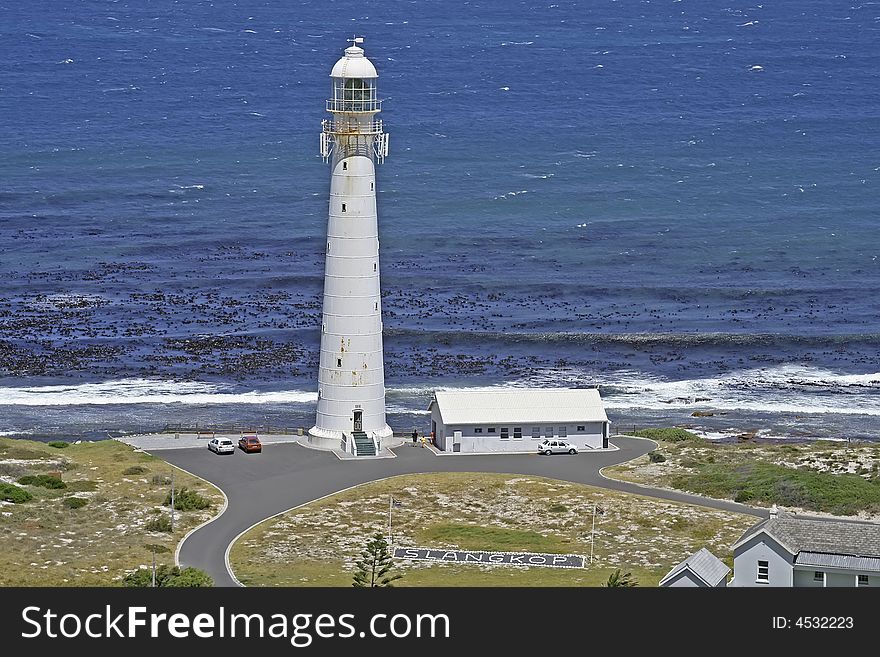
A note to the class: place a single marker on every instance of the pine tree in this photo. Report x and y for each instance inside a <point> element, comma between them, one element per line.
<point>374,565</point>
<point>616,580</point>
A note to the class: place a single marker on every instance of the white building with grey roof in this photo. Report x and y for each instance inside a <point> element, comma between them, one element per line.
<point>517,419</point>
<point>700,570</point>
<point>791,551</point>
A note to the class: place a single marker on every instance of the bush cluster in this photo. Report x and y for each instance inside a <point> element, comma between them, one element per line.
<point>187,500</point>
<point>169,577</point>
<point>160,524</point>
<point>669,435</point>
<point>44,481</point>
<point>11,493</point>
<point>768,483</point>
<point>135,470</point>
<point>74,502</point>
<point>656,457</point>
<point>60,444</point>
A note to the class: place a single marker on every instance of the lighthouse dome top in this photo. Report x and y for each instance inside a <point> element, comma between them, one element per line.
<point>354,64</point>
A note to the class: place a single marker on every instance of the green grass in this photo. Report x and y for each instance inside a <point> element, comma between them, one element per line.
<point>828,476</point>
<point>767,483</point>
<point>316,545</point>
<point>668,435</point>
<point>53,540</point>
<point>329,573</point>
<point>498,539</point>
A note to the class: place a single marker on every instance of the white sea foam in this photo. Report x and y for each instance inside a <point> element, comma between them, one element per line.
<point>787,389</point>
<point>792,390</point>
<point>145,391</point>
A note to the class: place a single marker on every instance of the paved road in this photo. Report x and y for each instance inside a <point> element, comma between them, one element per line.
<point>284,476</point>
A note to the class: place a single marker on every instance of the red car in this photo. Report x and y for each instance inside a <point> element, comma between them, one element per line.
<point>250,444</point>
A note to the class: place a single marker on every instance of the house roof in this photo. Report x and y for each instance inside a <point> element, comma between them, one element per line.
<point>835,537</point>
<point>704,565</point>
<point>838,561</point>
<point>520,405</point>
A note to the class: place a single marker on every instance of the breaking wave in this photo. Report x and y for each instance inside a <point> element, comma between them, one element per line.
<point>145,391</point>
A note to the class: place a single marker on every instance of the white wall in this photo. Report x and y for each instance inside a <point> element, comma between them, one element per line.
<point>804,579</point>
<point>803,576</point>
<point>762,548</point>
<point>473,442</point>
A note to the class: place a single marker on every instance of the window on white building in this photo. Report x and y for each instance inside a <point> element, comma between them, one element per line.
<point>582,427</point>
<point>862,580</point>
<point>343,207</point>
<point>338,362</point>
<point>505,433</point>
<point>819,576</point>
<point>517,433</point>
<point>563,432</point>
<point>478,430</point>
<point>548,432</point>
<point>490,430</point>
<point>763,571</point>
<point>536,433</point>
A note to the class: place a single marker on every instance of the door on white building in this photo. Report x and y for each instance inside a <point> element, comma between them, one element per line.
<point>456,441</point>
<point>358,420</point>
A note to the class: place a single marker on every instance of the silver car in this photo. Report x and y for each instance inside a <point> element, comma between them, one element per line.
<point>221,446</point>
<point>556,446</point>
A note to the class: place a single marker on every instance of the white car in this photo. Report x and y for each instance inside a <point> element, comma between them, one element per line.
<point>221,446</point>
<point>556,446</point>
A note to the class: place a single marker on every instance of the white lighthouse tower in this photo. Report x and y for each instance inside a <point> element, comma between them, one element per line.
<point>351,378</point>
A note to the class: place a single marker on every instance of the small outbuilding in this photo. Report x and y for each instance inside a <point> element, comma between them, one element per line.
<point>700,570</point>
<point>517,419</point>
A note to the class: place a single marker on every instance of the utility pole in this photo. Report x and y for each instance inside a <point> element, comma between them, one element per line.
<point>153,585</point>
<point>390,504</point>
<point>172,501</point>
<point>593,533</point>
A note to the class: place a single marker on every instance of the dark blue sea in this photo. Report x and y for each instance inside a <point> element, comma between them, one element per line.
<point>675,201</point>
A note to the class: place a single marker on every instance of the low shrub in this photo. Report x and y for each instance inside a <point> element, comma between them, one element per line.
<point>656,457</point>
<point>558,508</point>
<point>159,524</point>
<point>169,576</point>
<point>44,481</point>
<point>669,435</point>
<point>59,444</point>
<point>82,486</point>
<point>135,470</point>
<point>12,493</point>
<point>768,483</point>
<point>160,480</point>
<point>74,502</point>
<point>187,500</point>
<point>24,454</point>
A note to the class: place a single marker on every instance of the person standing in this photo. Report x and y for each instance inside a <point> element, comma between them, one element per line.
<point>415,436</point>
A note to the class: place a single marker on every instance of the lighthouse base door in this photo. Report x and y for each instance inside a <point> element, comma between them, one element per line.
<point>358,420</point>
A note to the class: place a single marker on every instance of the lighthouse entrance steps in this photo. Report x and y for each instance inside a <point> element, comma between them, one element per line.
<point>362,444</point>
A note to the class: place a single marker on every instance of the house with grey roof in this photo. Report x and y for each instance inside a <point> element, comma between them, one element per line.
<point>701,569</point>
<point>791,551</point>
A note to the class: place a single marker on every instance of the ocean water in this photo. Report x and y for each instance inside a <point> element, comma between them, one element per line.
<point>675,201</point>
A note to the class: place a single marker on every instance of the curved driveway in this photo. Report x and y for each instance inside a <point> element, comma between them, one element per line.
<point>284,476</point>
